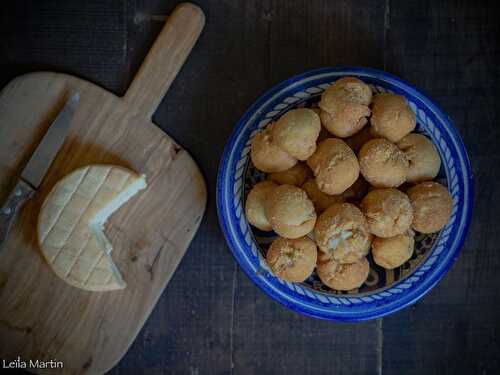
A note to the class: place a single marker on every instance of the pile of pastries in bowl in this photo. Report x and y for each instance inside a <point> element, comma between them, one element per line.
<point>343,180</point>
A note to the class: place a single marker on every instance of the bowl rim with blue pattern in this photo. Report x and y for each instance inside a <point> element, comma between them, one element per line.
<point>302,299</point>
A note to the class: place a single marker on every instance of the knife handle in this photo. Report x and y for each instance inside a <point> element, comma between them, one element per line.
<point>22,192</point>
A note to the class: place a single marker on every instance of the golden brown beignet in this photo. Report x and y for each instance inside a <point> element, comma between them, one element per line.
<point>342,232</point>
<point>267,156</point>
<point>432,206</point>
<point>340,276</point>
<point>296,132</point>
<point>290,211</point>
<point>255,205</point>
<point>388,212</point>
<point>334,165</point>
<point>344,106</point>
<point>392,117</point>
<point>393,252</point>
<point>292,260</point>
<point>423,157</point>
<point>294,176</point>
<point>383,164</point>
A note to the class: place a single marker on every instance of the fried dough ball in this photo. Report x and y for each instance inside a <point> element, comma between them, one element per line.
<point>335,166</point>
<point>423,157</point>
<point>392,117</point>
<point>342,232</point>
<point>344,106</point>
<point>296,132</point>
<point>393,252</point>
<point>267,156</point>
<point>290,212</point>
<point>340,276</point>
<point>387,211</point>
<point>383,164</point>
<point>255,205</point>
<point>294,176</point>
<point>359,139</point>
<point>432,206</point>
<point>320,200</point>
<point>292,260</point>
<point>357,190</point>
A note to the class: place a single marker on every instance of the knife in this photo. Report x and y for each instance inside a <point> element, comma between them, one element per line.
<point>37,166</point>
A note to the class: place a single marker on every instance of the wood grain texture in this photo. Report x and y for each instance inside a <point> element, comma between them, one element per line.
<point>213,319</point>
<point>41,316</point>
<point>58,36</point>
<point>450,50</point>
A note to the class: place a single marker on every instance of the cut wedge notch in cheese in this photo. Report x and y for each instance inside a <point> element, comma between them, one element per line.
<point>71,224</point>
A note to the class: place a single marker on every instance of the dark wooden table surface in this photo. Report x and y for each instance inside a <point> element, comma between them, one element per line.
<point>211,318</point>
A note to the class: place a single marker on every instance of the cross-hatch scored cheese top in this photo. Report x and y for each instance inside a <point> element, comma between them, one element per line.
<point>71,224</point>
<point>348,192</point>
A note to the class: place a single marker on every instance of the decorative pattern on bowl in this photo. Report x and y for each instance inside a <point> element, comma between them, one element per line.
<point>385,291</point>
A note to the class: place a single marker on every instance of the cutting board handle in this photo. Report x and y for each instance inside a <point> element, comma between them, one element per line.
<point>165,58</point>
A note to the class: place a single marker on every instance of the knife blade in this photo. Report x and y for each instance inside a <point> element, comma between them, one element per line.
<point>44,155</point>
<point>38,165</point>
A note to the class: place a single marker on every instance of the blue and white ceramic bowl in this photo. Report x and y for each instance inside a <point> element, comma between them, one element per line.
<point>385,291</point>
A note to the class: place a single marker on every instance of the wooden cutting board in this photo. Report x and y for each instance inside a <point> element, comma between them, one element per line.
<point>43,318</point>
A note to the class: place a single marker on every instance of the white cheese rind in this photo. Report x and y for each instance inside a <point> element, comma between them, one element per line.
<point>71,224</point>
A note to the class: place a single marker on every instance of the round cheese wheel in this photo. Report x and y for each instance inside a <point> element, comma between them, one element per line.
<point>71,224</point>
